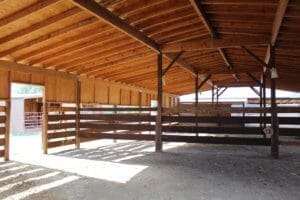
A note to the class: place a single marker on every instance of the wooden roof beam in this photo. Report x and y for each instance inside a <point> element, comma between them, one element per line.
<point>201,13</point>
<point>229,65</point>
<point>281,10</point>
<point>104,14</point>
<point>229,42</point>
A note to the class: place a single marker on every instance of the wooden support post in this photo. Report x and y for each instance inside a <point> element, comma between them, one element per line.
<point>158,135</point>
<point>45,125</point>
<point>264,98</point>
<point>7,122</point>
<point>260,102</point>
<point>212,95</point>
<point>114,122</point>
<point>217,95</point>
<point>274,118</point>
<point>261,124</point>
<point>196,101</point>
<point>78,96</point>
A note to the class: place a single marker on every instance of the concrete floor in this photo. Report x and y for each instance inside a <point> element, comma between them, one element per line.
<point>131,170</point>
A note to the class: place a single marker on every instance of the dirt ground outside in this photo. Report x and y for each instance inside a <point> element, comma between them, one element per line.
<point>132,170</point>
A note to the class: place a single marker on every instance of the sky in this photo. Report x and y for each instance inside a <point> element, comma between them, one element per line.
<point>231,94</point>
<point>19,90</point>
<point>237,94</point>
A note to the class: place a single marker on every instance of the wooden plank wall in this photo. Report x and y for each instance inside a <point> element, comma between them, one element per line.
<point>4,129</point>
<point>64,93</point>
<point>104,92</point>
<point>60,87</point>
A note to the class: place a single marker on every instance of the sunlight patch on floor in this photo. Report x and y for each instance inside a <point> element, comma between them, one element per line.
<point>116,172</point>
<point>9,186</point>
<point>40,188</point>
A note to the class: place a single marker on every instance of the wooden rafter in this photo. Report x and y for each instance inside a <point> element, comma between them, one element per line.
<point>104,14</point>
<point>54,34</point>
<point>26,11</point>
<point>40,25</point>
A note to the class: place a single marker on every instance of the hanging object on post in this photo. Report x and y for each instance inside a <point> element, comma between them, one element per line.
<point>274,73</point>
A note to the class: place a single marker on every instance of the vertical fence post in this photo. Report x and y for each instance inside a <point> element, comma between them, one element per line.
<point>78,97</point>
<point>274,118</point>
<point>158,135</point>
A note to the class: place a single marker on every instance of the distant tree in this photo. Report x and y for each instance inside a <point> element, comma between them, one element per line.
<point>29,89</point>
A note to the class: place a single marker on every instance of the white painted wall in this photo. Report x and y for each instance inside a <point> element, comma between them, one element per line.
<point>17,115</point>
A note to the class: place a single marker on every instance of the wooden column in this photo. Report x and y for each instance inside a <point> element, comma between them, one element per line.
<point>274,118</point>
<point>45,125</point>
<point>196,101</point>
<point>264,102</point>
<point>78,97</point>
<point>158,135</point>
<point>261,105</point>
<point>217,95</point>
<point>212,94</point>
<point>7,122</point>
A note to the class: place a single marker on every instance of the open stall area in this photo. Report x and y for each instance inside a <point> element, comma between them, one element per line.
<point>100,115</point>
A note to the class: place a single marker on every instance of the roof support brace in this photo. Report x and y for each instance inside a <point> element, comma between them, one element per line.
<point>255,91</point>
<point>172,63</point>
<point>203,82</point>
<point>253,78</point>
<point>258,59</point>
<point>224,89</point>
